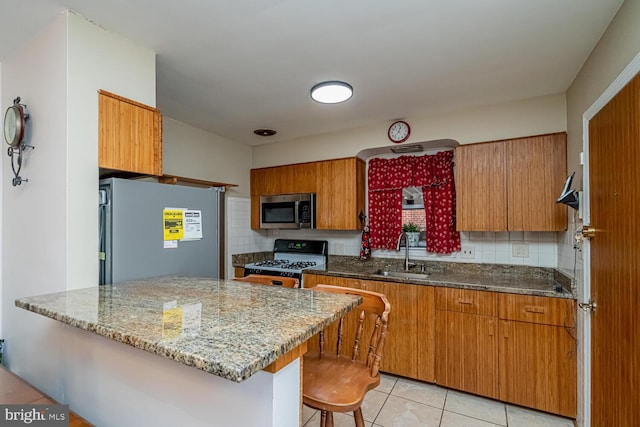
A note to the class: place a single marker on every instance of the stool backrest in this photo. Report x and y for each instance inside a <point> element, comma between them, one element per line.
<point>366,326</point>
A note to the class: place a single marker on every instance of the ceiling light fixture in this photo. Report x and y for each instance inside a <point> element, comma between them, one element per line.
<point>332,92</point>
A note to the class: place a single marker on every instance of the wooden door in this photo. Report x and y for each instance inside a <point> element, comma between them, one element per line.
<point>467,352</point>
<point>481,187</point>
<point>536,171</point>
<point>614,181</point>
<point>538,367</point>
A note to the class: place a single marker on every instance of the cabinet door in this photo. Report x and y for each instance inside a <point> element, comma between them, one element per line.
<point>481,187</point>
<point>288,179</point>
<point>538,366</point>
<point>409,350</point>
<point>536,171</point>
<point>426,333</point>
<point>339,194</point>
<point>467,352</point>
<point>129,135</point>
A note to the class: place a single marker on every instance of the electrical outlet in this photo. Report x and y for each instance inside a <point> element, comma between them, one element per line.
<point>338,248</point>
<point>468,252</point>
<point>520,250</point>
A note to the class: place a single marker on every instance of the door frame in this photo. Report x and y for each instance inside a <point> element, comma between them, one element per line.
<point>630,71</point>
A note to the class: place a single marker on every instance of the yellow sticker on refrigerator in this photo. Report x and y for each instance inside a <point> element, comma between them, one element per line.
<point>173,220</point>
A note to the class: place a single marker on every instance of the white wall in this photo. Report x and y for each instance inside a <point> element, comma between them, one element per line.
<point>545,114</point>
<point>195,153</point>
<point>35,213</point>
<point>50,222</point>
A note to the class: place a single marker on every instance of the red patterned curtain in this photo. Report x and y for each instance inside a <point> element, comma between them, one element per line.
<point>435,175</point>
<point>387,178</point>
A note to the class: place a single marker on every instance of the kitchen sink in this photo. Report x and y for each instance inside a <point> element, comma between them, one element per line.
<point>402,275</point>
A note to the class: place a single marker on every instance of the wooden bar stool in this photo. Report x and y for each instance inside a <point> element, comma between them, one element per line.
<point>285,282</point>
<point>338,382</point>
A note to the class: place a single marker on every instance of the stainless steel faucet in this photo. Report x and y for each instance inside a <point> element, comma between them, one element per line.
<point>407,265</point>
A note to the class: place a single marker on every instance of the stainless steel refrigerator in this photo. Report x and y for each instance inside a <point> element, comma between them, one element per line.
<point>139,238</point>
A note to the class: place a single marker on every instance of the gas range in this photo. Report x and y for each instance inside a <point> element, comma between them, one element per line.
<point>291,257</point>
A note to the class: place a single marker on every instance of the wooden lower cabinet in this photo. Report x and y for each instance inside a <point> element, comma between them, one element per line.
<point>515,348</point>
<point>409,350</point>
<point>467,352</point>
<point>467,340</point>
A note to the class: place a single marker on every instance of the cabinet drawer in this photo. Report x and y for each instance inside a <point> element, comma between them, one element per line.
<point>466,301</point>
<point>547,311</point>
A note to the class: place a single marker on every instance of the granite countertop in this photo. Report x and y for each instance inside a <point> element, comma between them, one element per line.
<point>515,279</point>
<point>230,329</point>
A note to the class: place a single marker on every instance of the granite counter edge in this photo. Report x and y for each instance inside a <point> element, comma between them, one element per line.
<point>429,282</point>
<point>188,359</point>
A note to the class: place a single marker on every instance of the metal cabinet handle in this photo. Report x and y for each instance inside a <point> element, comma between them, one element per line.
<point>463,301</point>
<point>534,309</point>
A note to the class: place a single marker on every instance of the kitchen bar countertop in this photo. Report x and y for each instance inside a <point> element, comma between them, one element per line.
<point>227,328</point>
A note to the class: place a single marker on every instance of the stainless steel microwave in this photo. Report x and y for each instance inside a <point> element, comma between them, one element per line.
<point>288,211</point>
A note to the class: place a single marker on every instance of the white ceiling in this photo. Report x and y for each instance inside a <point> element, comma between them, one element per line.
<point>233,66</point>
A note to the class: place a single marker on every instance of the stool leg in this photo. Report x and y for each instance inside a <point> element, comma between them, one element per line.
<point>323,418</point>
<point>329,419</point>
<point>357,414</point>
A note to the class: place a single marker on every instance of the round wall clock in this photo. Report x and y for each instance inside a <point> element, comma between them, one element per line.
<point>399,131</point>
<point>14,124</point>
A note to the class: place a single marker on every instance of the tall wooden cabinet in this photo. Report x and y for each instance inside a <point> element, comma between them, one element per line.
<point>339,186</point>
<point>129,135</point>
<point>512,185</point>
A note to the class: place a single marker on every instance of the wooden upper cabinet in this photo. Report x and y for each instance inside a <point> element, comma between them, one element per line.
<point>536,171</point>
<point>512,185</point>
<point>338,184</point>
<point>340,194</point>
<point>288,179</point>
<point>129,135</point>
<point>481,184</point>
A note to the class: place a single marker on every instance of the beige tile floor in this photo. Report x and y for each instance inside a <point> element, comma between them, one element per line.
<point>399,402</point>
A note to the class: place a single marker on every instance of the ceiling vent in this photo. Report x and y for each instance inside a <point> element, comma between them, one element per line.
<point>403,149</point>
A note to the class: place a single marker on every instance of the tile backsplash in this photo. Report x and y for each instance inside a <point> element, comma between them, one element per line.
<point>542,248</point>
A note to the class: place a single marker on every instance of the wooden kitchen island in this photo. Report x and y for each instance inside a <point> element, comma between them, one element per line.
<point>238,348</point>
